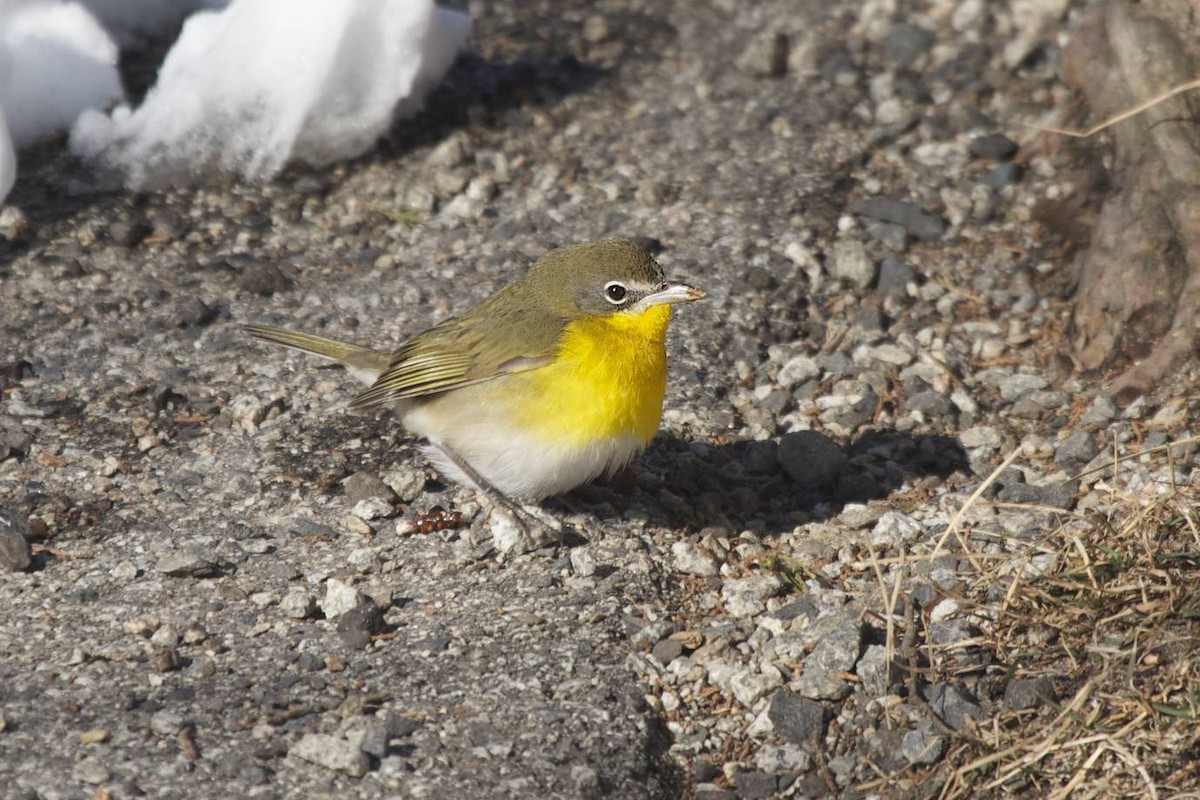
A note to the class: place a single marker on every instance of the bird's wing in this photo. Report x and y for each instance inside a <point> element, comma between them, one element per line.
<point>479,346</point>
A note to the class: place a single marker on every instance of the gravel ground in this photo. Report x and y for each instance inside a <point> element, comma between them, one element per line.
<point>236,589</point>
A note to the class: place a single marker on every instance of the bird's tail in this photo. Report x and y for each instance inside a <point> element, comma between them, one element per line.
<point>362,362</point>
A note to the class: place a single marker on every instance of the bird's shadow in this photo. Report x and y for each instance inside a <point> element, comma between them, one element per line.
<point>744,485</point>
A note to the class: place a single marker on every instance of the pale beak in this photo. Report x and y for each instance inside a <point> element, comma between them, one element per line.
<point>672,293</point>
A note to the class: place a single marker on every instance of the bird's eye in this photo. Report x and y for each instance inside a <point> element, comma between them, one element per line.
<point>615,292</point>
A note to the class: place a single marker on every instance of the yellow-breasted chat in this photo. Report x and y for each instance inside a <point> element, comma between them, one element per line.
<point>549,382</point>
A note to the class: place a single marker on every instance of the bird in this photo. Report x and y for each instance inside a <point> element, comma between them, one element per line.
<point>548,383</point>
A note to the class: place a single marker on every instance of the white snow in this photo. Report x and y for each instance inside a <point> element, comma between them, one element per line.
<point>8,159</point>
<point>264,82</point>
<point>248,86</point>
<point>55,61</point>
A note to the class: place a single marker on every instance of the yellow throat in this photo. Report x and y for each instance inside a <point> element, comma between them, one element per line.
<point>607,381</point>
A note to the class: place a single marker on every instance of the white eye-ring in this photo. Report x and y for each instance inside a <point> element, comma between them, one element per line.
<point>615,292</point>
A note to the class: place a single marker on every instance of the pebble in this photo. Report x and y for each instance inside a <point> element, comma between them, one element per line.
<point>692,560</point>
<point>851,263</point>
<point>407,481</point>
<point>91,771</point>
<point>16,555</point>
<point>922,746</point>
<point>787,758</point>
<point>1076,451</point>
<point>748,686</point>
<point>298,603</point>
<point>992,145</point>
<point>331,753</point>
<point>667,650</point>
<point>765,56</point>
<point>1060,495</point>
<point>839,642</point>
<point>755,784</point>
<point>797,370</point>
<point>874,671</point>
<point>981,436</point>
<point>583,562</point>
<point>895,529</point>
<point>1023,693</point>
<point>340,598</point>
<point>906,42</point>
<point>796,719</point>
<point>921,224</point>
<point>811,459</point>
<point>189,561</point>
<point>366,485</point>
<point>373,508</point>
<point>745,597</point>
<point>894,277</point>
<point>357,626</point>
<point>953,706</point>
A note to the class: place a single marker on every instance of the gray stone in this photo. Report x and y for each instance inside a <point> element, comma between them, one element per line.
<point>765,56</point>
<point>796,719</point>
<point>1023,693</point>
<point>667,650</point>
<point>993,145</point>
<point>1060,495</point>
<point>811,459</point>
<point>755,784</point>
<point>340,598</point>
<point>366,485</point>
<point>851,263</point>
<point>375,739</point>
<point>953,706</point>
<point>189,561</point>
<point>797,370</point>
<point>583,562</point>
<point>840,643</point>
<point>1076,451</point>
<point>15,552</point>
<point>932,404</point>
<point>1016,386</point>
<point>981,436</point>
<point>298,603</point>
<point>708,791</point>
<point>788,758</point>
<point>923,225</point>
<point>692,560</point>
<point>331,753</point>
<point>922,746</point>
<point>745,597</point>
<point>406,480</point>
<point>818,684</point>
<point>895,529</point>
<point>894,277</point>
<point>356,626</point>
<point>748,685</point>
<point>874,671</point>
<point>906,42</point>
<point>997,178</point>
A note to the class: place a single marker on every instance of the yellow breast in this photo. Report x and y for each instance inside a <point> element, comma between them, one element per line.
<point>608,381</point>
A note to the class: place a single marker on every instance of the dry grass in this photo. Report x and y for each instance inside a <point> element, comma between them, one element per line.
<point>1106,609</point>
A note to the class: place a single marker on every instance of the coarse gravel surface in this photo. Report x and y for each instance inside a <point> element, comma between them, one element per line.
<point>215,582</point>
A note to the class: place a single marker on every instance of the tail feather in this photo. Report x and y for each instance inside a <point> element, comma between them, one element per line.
<point>362,362</point>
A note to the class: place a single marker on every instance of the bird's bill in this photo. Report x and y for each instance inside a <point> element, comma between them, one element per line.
<point>671,294</point>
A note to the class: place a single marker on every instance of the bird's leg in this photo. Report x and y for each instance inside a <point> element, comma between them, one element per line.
<point>535,527</point>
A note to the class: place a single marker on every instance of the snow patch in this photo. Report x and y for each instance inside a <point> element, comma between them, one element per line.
<point>263,82</point>
<point>55,61</point>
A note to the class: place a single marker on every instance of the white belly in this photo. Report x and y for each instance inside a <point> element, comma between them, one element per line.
<point>519,466</point>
